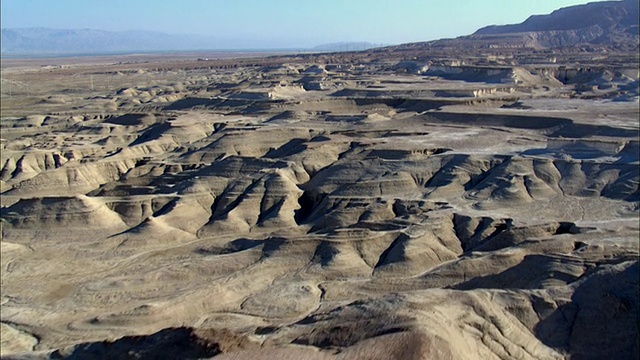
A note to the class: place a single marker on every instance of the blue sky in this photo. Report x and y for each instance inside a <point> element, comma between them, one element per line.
<point>281,23</point>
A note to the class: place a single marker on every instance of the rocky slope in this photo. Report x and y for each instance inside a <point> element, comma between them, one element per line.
<point>608,25</point>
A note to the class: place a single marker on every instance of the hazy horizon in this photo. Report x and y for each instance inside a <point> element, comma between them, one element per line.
<point>284,24</point>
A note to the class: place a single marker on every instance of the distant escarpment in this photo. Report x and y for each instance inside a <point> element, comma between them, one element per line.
<point>612,25</point>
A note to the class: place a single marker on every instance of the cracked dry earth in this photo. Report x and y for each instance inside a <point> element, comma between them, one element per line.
<point>317,211</point>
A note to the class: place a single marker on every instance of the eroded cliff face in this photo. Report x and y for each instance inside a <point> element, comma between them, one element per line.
<point>610,22</point>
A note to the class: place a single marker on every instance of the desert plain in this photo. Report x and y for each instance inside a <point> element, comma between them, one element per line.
<point>383,204</point>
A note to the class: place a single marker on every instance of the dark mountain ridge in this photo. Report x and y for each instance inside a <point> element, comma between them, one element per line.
<point>606,26</point>
<point>609,23</point>
<point>608,15</point>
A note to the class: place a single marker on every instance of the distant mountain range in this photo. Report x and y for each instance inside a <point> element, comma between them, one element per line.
<point>61,41</point>
<point>609,24</point>
<point>35,41</point>
<point>29,41</point>
<point>346,46</point>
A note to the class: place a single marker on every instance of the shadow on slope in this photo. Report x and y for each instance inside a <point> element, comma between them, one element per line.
<point>172,343</point>
<point>601,321</point>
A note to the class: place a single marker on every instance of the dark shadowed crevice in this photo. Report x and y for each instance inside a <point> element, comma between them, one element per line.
<point>172,343</point>
<point>384,257</point>
<point>565,228</point>
<point>325,252</point>
<point>308,202</point>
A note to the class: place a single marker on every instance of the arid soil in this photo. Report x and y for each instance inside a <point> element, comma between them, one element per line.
<point>374,205</point>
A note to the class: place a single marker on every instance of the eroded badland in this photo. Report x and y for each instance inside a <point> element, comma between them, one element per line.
<point>383,204</point>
